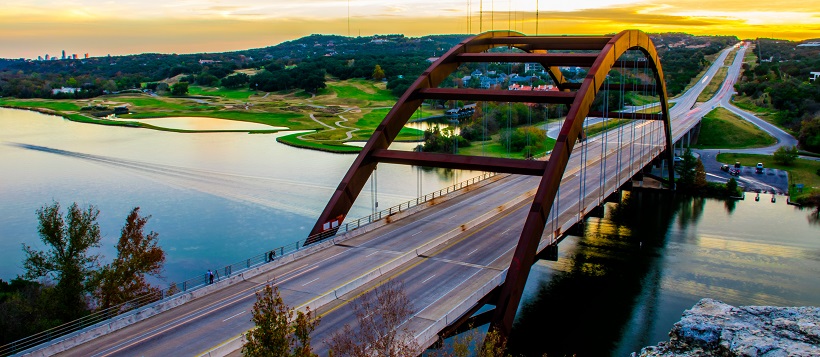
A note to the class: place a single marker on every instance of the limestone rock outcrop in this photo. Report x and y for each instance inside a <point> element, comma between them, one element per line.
<point>712,328</point>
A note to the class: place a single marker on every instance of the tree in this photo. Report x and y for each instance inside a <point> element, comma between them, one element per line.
<point>179,88</point>
<point>66,259</point>
<point>686,170</point>
<point>138,255</point>
<point>236,80</point>
<point>700,176</point>
<point>277,333</point>
<point>809,135</point>
<point>785,155</point>
<point>378,73</point>
<point>313,81</point>
<point>731,187</point>
<point>380,315</point>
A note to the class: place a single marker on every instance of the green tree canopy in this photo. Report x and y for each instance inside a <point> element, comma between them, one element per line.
<point>67,258</point>
<point>277,332</point>
<point>180,88</point>
<point>785,155</point>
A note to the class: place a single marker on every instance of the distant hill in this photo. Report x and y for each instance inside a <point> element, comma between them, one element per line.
<point>402,58</point>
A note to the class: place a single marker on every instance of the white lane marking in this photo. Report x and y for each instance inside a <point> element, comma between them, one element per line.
<point>371,254</point>
<point>474,250</point>
<point>243,311</point>
<point>451,217</point>
<point>505,232</point>
<point>310,281</point>
<point>419,232</point>
<point>425,280</point>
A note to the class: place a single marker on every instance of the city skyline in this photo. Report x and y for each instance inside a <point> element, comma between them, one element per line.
<point>129,27</point>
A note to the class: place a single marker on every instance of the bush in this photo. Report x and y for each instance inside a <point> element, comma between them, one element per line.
<point>785,156</point>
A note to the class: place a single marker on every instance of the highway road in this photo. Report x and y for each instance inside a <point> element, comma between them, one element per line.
<point>443,255</point>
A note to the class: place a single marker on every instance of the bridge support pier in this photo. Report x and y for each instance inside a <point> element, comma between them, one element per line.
<point>615,197</point>
<point>597,212</point>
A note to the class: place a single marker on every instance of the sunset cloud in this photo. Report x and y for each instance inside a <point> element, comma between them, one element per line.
<point>29,29</point>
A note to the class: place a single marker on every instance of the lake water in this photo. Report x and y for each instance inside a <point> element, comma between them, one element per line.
<point>218,198</point>
<point>626,282</point>
<point>215,198</point>
<point>205,124</point>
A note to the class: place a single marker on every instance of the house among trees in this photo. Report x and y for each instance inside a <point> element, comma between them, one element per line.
<point>66,90</point>
<point>813,75</point>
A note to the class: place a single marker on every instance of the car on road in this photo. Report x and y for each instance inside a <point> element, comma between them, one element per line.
<point>759,168</point>
<point>724,168</point>
<point>734,172</point>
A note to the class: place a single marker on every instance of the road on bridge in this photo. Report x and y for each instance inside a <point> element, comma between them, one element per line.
<point>445,255</point>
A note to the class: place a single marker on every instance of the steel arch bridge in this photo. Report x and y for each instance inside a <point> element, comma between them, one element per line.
<point>601,54</point>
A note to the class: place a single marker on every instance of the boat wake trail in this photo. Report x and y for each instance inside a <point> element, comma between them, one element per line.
<point>279,194</point>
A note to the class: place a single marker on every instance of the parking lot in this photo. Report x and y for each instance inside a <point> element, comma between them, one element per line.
<point>768,181</point>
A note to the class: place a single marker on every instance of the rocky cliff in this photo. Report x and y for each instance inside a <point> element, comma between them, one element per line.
<point>712,328</point>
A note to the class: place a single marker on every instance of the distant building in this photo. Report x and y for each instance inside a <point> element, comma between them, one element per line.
<point>86,56</point>
<point>47,57</point>
<point>68,90</point>
<point>63,54</point>
<point>208,61</point>
<point>813,75</point>
<point>433,59</point>
<point>39,58</point>
<point>533,67</point>
<point>539,88</point>
<point>74,56</point>
<point>810,44</point>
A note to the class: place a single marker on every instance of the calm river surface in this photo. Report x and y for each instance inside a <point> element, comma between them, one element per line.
<point>218,198</point>
<point>627,281</point>
<point>215,198</point>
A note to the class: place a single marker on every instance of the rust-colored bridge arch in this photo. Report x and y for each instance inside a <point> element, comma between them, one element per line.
<point>578,96</point>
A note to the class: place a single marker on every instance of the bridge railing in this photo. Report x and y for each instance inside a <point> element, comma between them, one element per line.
<point>129,307</point>
<point>349,226</point>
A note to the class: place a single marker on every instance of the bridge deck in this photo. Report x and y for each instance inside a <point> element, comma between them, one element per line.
<point>448,256</point>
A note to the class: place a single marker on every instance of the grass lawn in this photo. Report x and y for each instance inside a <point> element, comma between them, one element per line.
<point>338,147</point>
<point>713,85</point>
<point>638,99</point>
<point>235,94</point>
<point>293,121</point>
<point>802,171</point>
<point>53,104</point>
<point>769,115</point>
<point>750,57</point>
<point>494,148</point>
<point>360,89</point>
<point>722,129</point>
<point>147,103</point>
<point>595,129</point>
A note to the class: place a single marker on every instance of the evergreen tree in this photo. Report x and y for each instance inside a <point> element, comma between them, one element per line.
<point>277,332</point>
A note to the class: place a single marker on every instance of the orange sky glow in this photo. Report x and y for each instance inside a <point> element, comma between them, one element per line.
<point>29,29</point>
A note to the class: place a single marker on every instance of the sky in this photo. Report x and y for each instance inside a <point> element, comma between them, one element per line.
<point>31,28</point>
